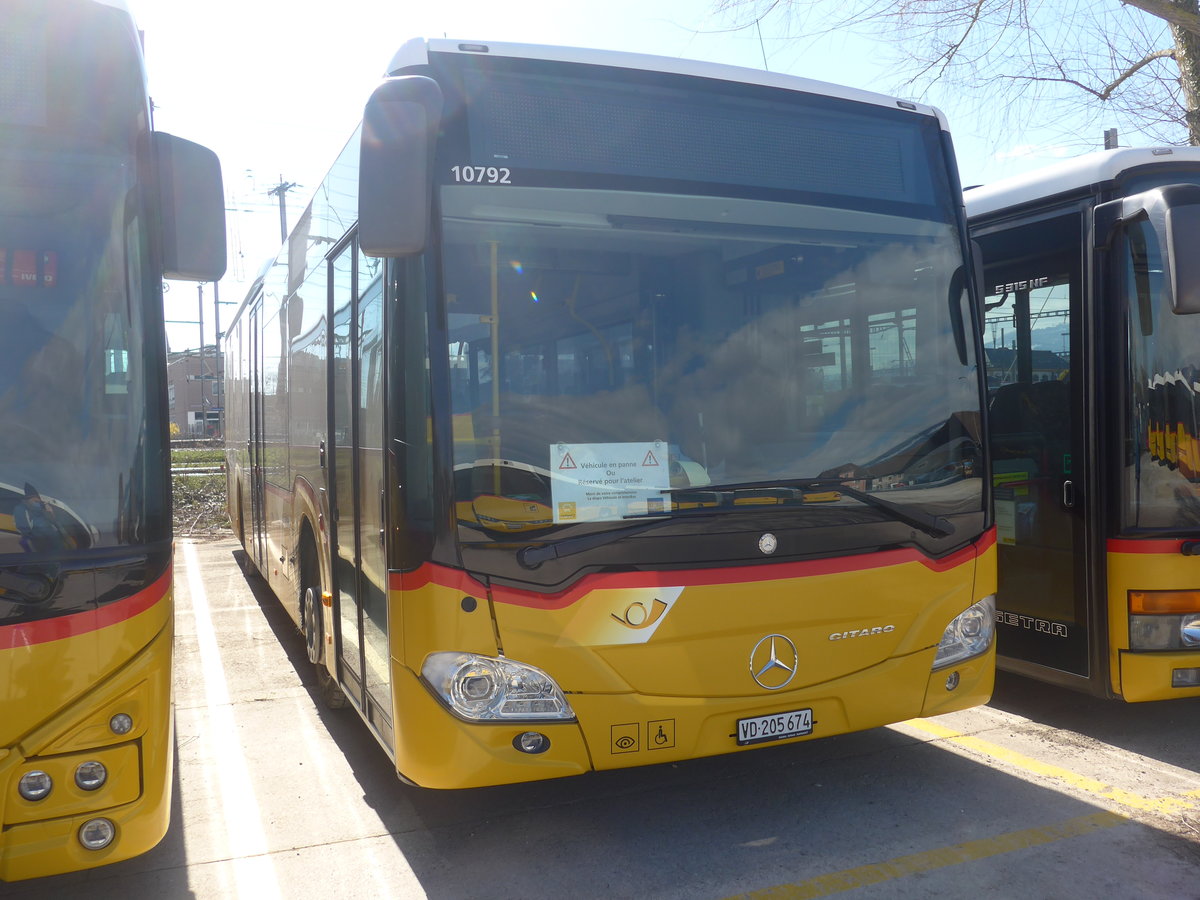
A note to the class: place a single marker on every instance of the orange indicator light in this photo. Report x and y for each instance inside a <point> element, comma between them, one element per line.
<point>1163,602</point>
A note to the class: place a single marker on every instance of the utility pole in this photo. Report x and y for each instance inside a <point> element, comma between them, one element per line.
<point>203,401</point>
<point>219,379</point>
<point>200,290</point>
<point>280,190</point>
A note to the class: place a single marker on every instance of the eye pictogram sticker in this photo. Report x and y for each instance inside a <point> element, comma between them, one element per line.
<point>625,738</point>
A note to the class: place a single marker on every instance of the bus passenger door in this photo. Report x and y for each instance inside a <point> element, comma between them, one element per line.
<point>257,546</point>
<point>342,476</point>
<point>1034,353</point>
<point>369,485</point>
<point>357,366</point>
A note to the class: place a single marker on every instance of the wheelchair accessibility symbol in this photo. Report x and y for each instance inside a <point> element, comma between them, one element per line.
<point>660,735</point>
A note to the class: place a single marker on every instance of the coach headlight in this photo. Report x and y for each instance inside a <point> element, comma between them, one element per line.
<point>1164,620</point>
<point>968,634</point>
<point>487,689</point>
<point>35,785</point>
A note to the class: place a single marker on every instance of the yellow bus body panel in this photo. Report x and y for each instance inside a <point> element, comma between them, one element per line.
<point>1146,675</point>
<point>58,697</point>
<point>664,682</point>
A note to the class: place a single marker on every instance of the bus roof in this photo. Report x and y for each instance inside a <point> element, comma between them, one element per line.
<point>1085,172</point>
<point>416,53</point>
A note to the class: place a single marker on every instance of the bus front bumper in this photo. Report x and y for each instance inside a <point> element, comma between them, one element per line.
<point>41,838</point>
<point>1159,675</point>
<point>625,730</point>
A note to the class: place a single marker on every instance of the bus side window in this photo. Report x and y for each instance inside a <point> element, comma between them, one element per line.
<point>1144,272</point>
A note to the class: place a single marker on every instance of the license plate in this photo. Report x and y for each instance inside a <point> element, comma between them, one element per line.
<point>775,727</point>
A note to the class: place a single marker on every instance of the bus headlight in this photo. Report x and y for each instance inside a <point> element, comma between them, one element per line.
<point>90,776</point>
<point>35,785</point>
<point>487,689</point>
<point>1164,620</point>
<point>968,634</point>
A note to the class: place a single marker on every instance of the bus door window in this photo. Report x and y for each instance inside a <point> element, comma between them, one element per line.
<point>257,448</point>
<point>1032,347</point>
<point>370,484</point>
<point>343,478</point>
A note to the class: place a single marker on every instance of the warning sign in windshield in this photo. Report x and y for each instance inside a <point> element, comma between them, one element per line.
<point>604,482</point>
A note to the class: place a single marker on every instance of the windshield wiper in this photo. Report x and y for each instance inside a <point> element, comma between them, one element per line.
<point>936,526</point>
<point>532,557</point>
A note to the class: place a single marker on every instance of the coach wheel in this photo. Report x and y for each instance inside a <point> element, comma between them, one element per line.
<point>314,636</point>
<point>313,621</point>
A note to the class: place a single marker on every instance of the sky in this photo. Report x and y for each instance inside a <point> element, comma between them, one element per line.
<point>276,90</point>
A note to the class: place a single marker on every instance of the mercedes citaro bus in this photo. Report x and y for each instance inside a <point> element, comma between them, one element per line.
<point>604,410</point>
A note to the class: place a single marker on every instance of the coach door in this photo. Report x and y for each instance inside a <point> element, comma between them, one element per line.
<point>257,546</point>
<point>1034,352</point>
<point>357,482</point>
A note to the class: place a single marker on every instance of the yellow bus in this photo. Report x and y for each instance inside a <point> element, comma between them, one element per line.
<point>95,210</point>
<point>1093,355</point>
<point>604,410</point>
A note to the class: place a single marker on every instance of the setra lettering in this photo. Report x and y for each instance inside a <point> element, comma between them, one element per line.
<point>1031,623</point>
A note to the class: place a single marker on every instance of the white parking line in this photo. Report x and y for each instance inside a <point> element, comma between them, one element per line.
<point>246,844</point>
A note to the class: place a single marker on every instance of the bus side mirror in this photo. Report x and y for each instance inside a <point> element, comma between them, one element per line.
<point>191,210</point>
<point>395,174</point>
<point>1173,214</point>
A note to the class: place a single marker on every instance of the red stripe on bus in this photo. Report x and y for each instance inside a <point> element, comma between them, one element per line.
<point>1133,545</point>
<point>435,574</point>
<point>458,580</point>
<point>43,631</point>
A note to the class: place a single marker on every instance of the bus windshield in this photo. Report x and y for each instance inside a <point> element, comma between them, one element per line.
<point>73,390</point>
<point>72,383</point>
<point>616,354</point>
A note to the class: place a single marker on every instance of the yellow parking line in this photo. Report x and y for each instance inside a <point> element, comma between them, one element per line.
<point>1163,806</point>
<point>904,866</point>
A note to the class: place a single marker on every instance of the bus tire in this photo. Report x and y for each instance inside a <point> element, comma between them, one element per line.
<point>313,622</point>
<point>314,632</point>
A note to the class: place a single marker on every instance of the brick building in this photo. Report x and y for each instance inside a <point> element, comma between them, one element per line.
<point>194,392</point>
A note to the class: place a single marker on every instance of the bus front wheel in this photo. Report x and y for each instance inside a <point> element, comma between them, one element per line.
<point>314,637</point>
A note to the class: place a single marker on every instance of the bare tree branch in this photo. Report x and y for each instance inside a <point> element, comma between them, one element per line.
<point>1169,12</point>
<point>1131,71</point>
<point>948,56</point>
<point>1025,61</point>
<point>1107,91</point>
